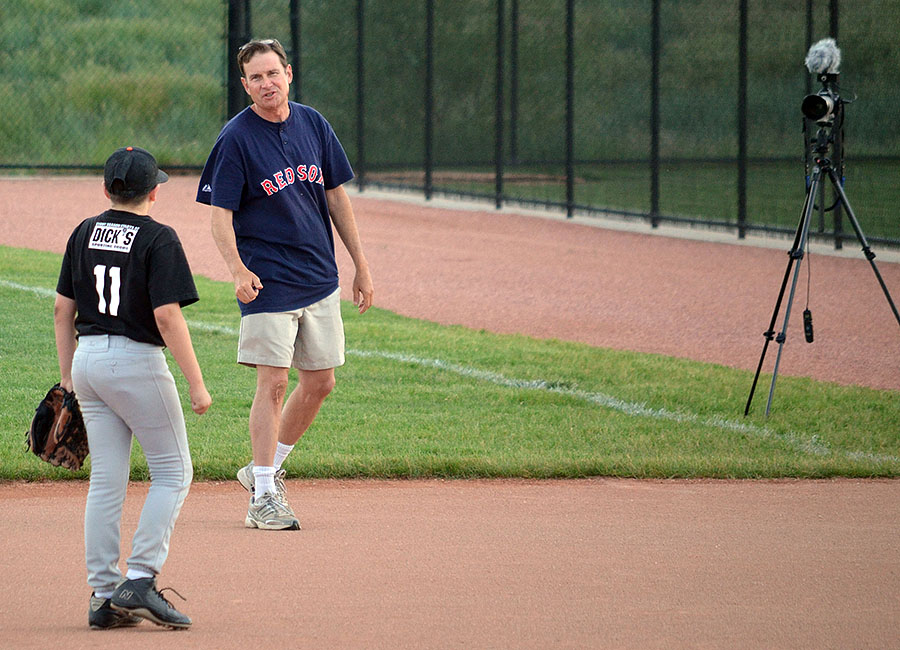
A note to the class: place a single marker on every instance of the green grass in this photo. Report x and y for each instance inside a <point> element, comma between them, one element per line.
<point>417,399</point>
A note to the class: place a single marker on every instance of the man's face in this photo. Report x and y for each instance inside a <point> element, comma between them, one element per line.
<point>266,81</point>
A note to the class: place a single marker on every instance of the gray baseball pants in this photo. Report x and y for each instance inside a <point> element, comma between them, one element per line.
<point>125,389</point>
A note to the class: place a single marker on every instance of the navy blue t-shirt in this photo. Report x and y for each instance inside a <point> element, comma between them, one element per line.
<point>273,176</point>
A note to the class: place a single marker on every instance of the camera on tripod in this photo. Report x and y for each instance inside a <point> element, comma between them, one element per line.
<point>826,109</point>
<point>822,107</point>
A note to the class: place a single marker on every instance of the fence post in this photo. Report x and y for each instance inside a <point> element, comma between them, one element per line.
<point>297,84</point>
<point>498,111</point>
<point>429,99</point>
<point>360,97</point>
<point>742,122</point>
<point>514,84</point>
<point>809,40</point>
<point>238,34</point>
<point>807,126</point>
<point>654,113</point>
<point>570,108</point>
<point>837,158</point>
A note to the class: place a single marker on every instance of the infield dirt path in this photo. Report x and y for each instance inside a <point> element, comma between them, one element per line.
<point>509,564</point>
<point>602,563</point>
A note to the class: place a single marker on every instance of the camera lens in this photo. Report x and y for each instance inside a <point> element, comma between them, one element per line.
<point>817,107</point>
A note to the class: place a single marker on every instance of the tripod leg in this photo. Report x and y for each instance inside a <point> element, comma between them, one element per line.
<point>782,336</point>
<point>862,240</point>
<point>795,253</point>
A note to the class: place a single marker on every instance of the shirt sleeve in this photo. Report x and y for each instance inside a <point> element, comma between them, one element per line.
<point>223,179</point>
<point>169,277</point>
<point>65,285</point>
<point>337,169</point>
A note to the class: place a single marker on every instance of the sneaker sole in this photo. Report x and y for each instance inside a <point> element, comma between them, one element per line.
<point>263,525</point>
<point>119,624</point>
<point>143,612</point>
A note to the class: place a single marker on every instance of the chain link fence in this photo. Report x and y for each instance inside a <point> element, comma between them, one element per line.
<point>78,78</point>
<point>683,111</point>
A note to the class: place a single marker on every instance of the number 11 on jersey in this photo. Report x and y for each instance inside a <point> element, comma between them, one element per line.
<point>115,282</point>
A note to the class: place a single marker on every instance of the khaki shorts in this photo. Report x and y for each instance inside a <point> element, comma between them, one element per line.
<point>311,338</point>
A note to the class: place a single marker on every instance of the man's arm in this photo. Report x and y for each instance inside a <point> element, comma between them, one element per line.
<point>246,283</point>
<point>345,224</point>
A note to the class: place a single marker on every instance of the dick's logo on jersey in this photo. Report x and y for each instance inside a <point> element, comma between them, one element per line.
<point>113,237</point>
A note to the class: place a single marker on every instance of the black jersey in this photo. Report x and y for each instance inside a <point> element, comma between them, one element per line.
<point>119,267</point>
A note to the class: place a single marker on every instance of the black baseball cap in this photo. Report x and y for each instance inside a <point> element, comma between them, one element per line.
<point>137,170</point>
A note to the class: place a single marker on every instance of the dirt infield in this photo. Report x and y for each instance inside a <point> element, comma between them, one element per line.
<point>509,564</point>
<point>474,564</point>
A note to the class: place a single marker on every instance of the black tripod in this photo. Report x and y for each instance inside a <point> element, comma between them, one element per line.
<point>822,168</point>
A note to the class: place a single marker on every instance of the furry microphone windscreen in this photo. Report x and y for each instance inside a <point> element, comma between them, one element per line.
<point>824,56</point>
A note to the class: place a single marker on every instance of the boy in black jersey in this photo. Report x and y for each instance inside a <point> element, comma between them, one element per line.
<point>123,282</point>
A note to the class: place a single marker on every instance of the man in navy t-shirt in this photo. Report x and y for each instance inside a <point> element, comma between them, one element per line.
<point>274,180</point>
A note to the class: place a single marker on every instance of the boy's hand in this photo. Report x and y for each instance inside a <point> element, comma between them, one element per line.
<point>200,399</point>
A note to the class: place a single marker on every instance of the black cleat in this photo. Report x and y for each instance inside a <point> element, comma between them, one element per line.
<point>103,617</point>
<point>141,598</point>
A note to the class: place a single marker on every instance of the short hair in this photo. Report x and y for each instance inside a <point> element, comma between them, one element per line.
<point>117,194</point>
<point>248,50</point>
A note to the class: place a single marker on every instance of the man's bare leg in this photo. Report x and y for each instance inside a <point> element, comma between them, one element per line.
<point>303,404</point>
<point>265,413</point>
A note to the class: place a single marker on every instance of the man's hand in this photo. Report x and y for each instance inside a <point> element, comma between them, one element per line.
<point>246,285</point>
<point>363,289</point>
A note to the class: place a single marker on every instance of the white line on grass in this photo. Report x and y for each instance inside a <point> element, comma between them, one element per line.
<point>41,291</point>
<point>810,445</point>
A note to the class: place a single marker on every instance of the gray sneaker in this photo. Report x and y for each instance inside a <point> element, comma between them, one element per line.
<point>269,512</point>
<point>103,617</point>
<point>247,480</point>
<point>140,597</point>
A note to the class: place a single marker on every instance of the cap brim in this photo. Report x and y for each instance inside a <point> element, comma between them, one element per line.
<point>161,176</point>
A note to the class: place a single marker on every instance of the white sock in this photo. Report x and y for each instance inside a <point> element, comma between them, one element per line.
<point>137,574</point>
<point>281,452</point>
<point>264,480</point>
<point>103,594</point>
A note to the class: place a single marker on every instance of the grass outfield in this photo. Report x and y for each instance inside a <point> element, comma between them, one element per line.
<point>417,399</point>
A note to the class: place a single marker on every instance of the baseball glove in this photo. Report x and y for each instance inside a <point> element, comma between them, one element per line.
<point>57,433</point>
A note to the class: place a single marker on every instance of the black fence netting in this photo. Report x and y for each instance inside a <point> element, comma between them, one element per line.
<point>683,111</point>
